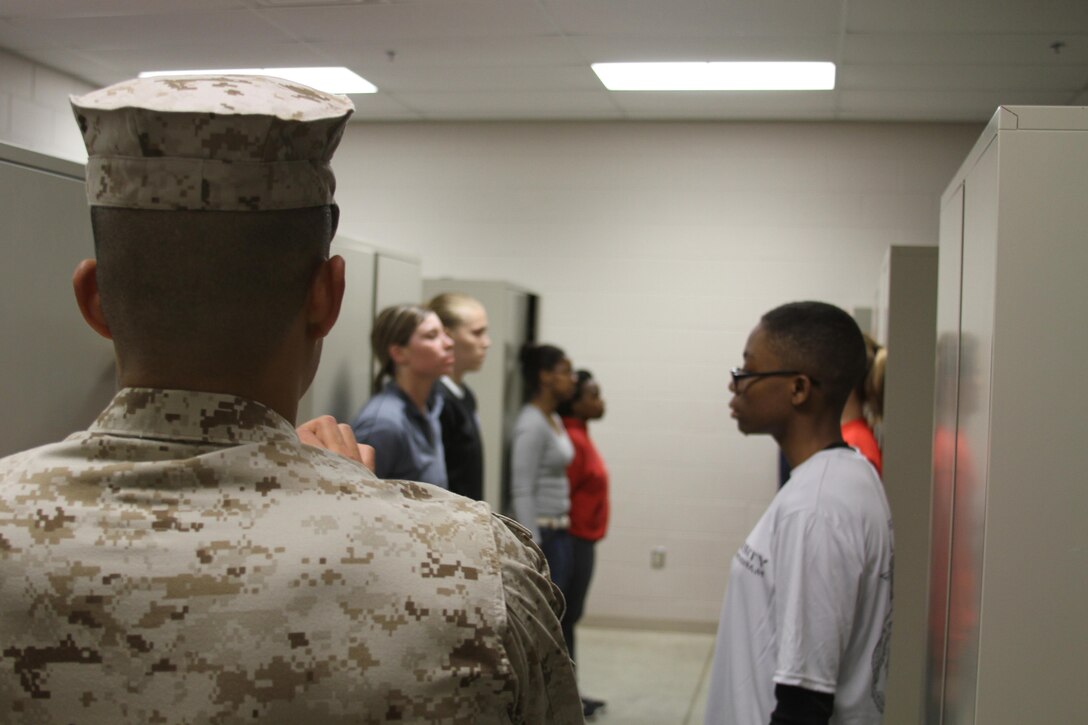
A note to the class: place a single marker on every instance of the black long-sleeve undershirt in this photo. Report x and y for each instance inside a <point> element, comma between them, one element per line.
<point>798,706</point>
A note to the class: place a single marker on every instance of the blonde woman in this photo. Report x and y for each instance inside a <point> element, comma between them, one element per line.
<point>465,320</point>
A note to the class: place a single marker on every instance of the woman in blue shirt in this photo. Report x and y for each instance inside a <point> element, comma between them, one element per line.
<point>401,420</point>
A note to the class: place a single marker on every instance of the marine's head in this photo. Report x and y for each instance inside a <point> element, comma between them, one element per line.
<point>212,210</point>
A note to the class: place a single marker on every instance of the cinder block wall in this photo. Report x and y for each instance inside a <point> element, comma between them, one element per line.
<point>655,247</point>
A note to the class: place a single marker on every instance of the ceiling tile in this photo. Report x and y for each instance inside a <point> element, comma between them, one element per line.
<point>961,78</point>
<point>131,61</point>
<point>966,49</point>
<point>502,59</point>
<point>967,16</point>
<point>695,18</point>
<point>130,31</point>
<point>497,79</point>
<point>510,106</point>
<point>390,23</point>
<point>314,3</point>
<point>604,48</point>
<point>927,105</point>
<point>93,8</point>
<point>455,52</point>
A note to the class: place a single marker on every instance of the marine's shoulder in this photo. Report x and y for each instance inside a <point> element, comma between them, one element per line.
<point>509,540</point>
<point>56,455</point>
<point>514,540</point>
<point>430,502</point>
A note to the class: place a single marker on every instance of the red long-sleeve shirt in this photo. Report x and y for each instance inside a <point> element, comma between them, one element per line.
<point>588,485</point>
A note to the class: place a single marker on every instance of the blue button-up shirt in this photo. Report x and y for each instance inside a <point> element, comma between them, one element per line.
<point>407,443</point>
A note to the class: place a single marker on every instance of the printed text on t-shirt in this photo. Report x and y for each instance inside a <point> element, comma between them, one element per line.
<point>751,560</point>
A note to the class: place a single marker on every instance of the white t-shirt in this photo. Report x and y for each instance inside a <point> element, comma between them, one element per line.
<point>809,600</point>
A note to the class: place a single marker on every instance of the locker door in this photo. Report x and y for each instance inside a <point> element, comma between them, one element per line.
<point>949,287</point>
<point>57,373</point>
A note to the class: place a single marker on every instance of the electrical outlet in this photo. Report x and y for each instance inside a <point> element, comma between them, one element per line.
<point>657,557</point>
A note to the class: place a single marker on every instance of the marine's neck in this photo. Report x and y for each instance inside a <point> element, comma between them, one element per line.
<point>279,384</point>
<point>280,397</point>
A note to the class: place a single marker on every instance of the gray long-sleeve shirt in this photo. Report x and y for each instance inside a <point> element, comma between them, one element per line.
<point>538,462</point>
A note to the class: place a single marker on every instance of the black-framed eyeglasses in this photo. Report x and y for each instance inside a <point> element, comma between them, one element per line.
<point>739,374</point>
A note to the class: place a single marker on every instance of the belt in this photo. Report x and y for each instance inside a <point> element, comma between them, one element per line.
<point>553,522</point>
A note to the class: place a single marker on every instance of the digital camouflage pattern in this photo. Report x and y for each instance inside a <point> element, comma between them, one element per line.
<point>188,560</point>
<point>211,143</point>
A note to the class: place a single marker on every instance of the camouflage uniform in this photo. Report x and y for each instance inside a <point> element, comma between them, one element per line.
<point>188,560</point>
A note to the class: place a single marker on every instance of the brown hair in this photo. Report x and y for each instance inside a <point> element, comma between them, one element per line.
<point>393,326</point>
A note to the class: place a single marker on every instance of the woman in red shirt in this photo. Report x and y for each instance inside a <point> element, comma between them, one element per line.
<point>588,502</point>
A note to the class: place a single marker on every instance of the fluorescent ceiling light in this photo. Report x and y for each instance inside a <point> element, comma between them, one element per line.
<point>743,76</point>
<point>330,80</point>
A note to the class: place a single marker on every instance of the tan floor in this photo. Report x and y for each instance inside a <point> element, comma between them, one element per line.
<point>646,677</point>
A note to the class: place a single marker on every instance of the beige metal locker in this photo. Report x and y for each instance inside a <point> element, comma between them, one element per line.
<point>57,374</point>
<point>1009,579</point>
<point>906,315</point>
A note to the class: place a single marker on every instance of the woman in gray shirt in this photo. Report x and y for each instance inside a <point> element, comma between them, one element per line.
<point>540,453</point>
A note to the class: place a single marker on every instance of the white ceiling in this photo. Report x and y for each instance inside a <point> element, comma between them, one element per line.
<point>918,60</point>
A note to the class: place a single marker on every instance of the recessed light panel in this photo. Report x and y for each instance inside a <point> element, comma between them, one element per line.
<point>717,76</point>
<point>330,80</point>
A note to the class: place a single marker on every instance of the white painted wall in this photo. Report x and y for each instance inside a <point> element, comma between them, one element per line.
<point>655,248</point>
<point>34,108</point>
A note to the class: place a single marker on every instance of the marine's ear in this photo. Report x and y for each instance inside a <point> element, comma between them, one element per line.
<point>85,286</point>
<point>325,297</point>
